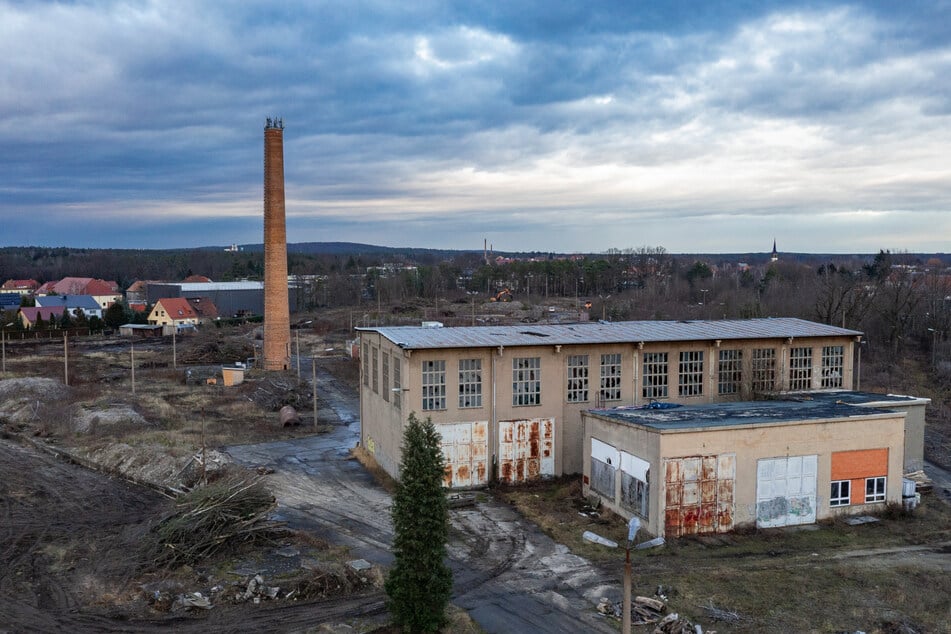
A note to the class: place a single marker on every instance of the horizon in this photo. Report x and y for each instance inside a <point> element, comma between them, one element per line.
<point>551,128</point>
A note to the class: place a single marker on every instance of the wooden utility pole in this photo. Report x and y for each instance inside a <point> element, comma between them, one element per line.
<point>313,360</point>
<point>65,358</point>
<point>132,357</point>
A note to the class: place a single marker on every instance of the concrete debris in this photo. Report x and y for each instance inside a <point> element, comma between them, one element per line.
<point>673,624</point>
<point>257,590</point>
<point>719,614</point>
<point>360,564</point>
<point>594,538</point>
<point>191,601</point>
<point>861,519</point>
<point>644,610</point>
<point>458,500</point>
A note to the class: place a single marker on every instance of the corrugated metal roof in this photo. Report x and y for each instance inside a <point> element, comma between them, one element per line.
<point>219,286</point>
<point>419,338</point>
<point>734,414</point>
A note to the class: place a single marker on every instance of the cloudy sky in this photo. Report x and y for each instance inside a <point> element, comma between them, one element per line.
<point>697,126</point>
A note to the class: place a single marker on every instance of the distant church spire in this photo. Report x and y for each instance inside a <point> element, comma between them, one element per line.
<point>774,255</point>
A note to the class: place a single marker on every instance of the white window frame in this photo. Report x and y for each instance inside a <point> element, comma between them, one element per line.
<point>729,371</point>
<point>690,373</point>
<point>764,370</point>
<point>611,376</point>
<point>434,385</point>
<point>800,368</point>
<point>397,383</point>
<point>878,486</point>
<point>470,383</point>
<point>833,366</point>
<point>526,381</point>
<point>577,378</point>
<point>654,376</point>
<point>840,493</point>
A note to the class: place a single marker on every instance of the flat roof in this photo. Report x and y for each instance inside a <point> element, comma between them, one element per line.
<point>714,415</point>
<point>420,337</point>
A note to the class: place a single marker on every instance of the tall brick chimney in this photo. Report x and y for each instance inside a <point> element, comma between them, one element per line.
<point>277,320</point>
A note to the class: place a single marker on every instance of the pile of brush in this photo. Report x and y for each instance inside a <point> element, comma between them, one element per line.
<point>220,517</point>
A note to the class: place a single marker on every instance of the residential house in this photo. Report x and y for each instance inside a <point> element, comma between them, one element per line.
<point>20,287</point>
<point>105,292</point>
<point>29,314</point>
<point>86,303</point>
<point>179,311</point>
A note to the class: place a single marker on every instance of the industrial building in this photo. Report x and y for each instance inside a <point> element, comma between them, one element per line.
<point>515,403</point>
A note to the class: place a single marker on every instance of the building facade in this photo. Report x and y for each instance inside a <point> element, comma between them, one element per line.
<point>712,468</point>
<point>508,400</point>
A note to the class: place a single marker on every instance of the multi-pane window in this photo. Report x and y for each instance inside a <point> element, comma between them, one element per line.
<point>875,489</point>
<point>386,377</point>
<point>729,371</point>
<point>434,385</point>
<point>397,384</point>
<point>366,364</point>
<point>470,382</point>
<point>611,377</point>
<point>376,370</point>
<point>800,368</point>
<point>577,378</point>
<point>764,370</point>
<point>841,493</point>
<point>526,381</point>
<point>690,374</point>
<point>655,375</point>
<point>832,366</point>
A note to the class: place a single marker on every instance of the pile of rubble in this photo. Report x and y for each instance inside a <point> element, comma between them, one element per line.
<point>650,611</point>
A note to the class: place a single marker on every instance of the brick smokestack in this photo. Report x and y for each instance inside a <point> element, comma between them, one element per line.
<point>277,329</point>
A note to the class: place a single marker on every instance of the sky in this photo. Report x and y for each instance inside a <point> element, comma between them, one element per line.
<point>700,127</point>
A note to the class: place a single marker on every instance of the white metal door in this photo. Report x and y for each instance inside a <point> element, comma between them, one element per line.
<point>786,491</point>
<point>464,448</point>
<point>526,449</point>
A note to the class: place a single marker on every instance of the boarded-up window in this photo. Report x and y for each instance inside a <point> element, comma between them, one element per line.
<point>376,371</point>
<point>602,478</point>
<point>386,377</point>
<point>397,384</point>
<point>635,484</point>
<point>366,364</point>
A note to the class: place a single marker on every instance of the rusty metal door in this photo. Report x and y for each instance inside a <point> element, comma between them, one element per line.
<point>464,448</point>
<point>699,494</point>
<point>526,449</point>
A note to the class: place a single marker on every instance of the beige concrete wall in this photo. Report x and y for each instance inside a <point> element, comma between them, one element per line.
<point>750,444</point>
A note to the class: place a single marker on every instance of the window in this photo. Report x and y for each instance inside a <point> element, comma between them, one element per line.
<point>470,382</point>
<point>800,368</point>
<point>875,489</point>
<point>434,385</point>
<point>655,375</point>
<point>602,477</point>
<point>764,370</point>
<point>526,381</point>
<point>841,493</point>
<point>730,372</point>
<point>832,365</point>
<point>397,384</point>
<point>611,377</point>
<point>386,377</point>
<point>577,378</point>
<point>376,371</point>
<point>366,364</point>
<point>690,379</point>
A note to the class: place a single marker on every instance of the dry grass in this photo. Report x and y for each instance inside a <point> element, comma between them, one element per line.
<point>777,580</point>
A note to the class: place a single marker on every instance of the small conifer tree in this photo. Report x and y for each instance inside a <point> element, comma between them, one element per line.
<point>420,582</point>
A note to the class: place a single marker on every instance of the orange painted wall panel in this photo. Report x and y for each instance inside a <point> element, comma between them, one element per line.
<point>864,463</point>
